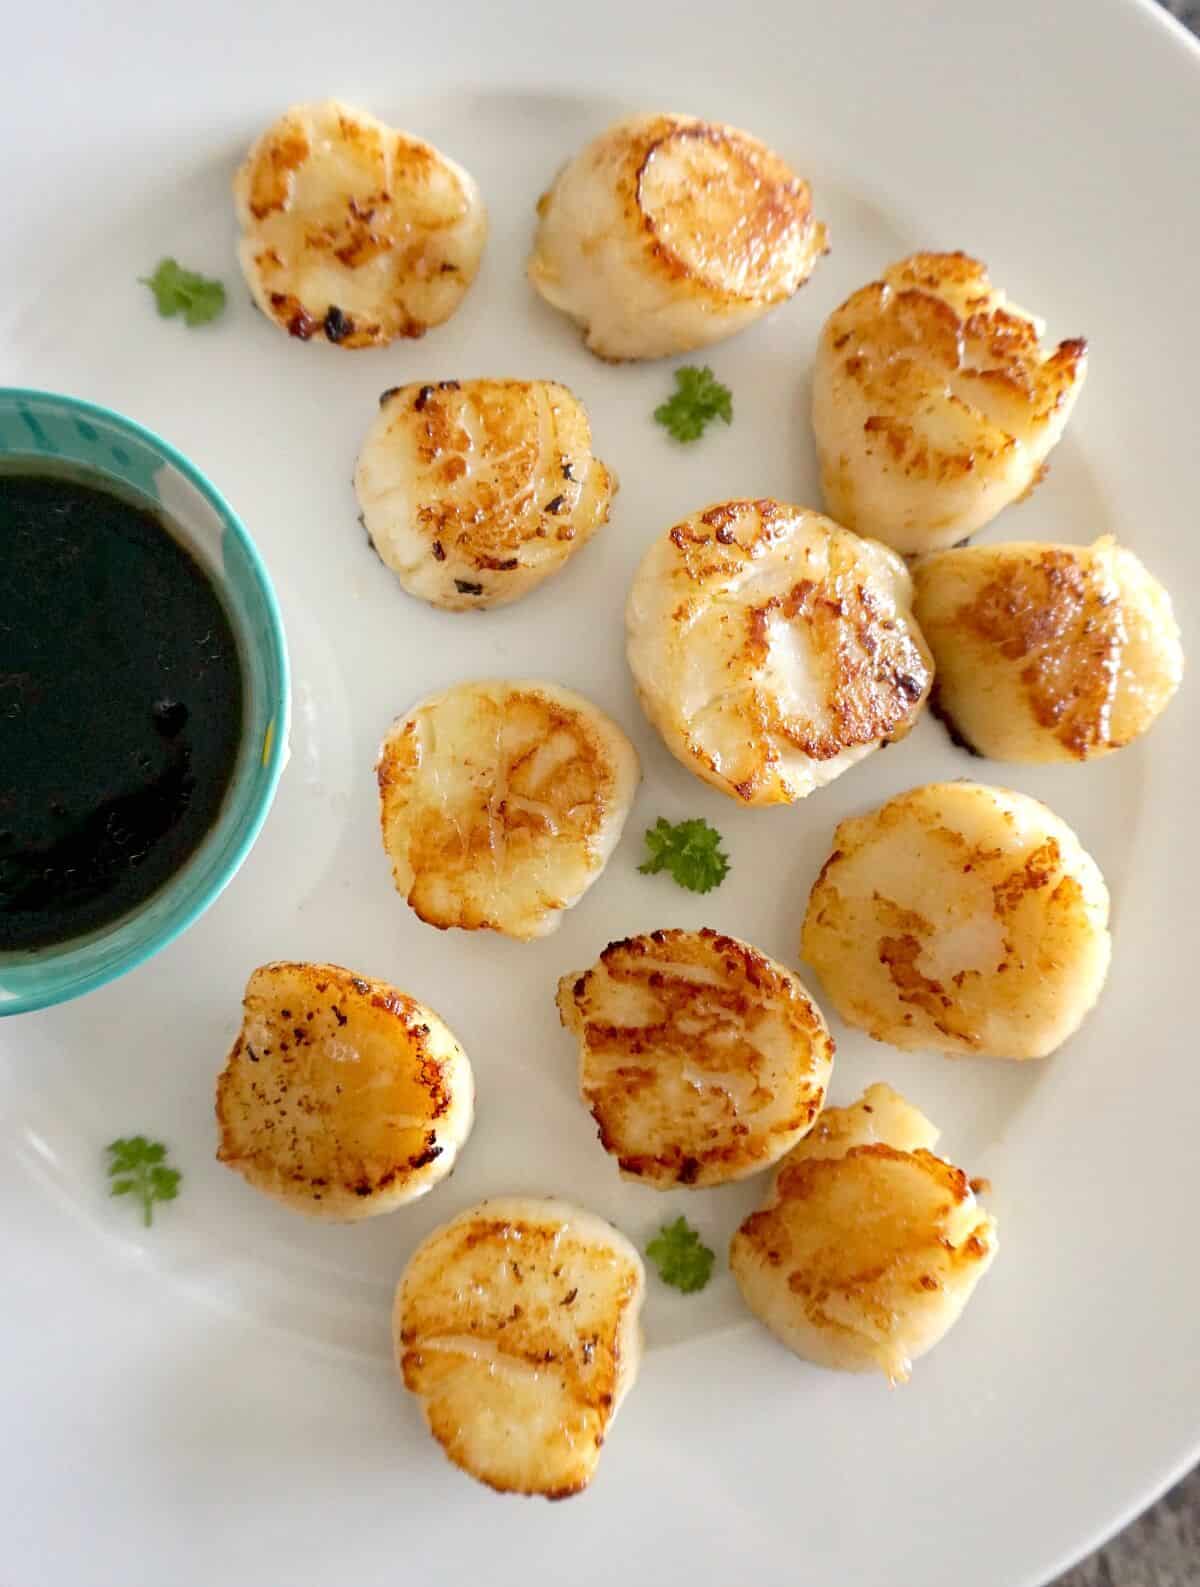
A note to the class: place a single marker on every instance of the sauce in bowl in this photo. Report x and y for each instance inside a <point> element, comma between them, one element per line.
<point>121,706</point>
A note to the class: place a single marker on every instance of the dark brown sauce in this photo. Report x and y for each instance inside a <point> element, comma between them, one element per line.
<point>120,707</point>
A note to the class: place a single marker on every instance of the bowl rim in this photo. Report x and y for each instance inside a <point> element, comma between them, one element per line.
<point>275,752</point>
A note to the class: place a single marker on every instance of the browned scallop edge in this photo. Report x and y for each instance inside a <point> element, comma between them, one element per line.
<point>336,325</point>
<point>939,709</point>
<point>758,969</point>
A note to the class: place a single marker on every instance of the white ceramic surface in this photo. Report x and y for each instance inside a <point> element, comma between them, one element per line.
<point>213,1400</point>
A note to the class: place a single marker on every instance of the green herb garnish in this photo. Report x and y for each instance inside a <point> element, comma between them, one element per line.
<point>682,1260</point>
<point>699,399</point>
<point>179,291</point>
<point>690,850</point>
<point>137,1167</point>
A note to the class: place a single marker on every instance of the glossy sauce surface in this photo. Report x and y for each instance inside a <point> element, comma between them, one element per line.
<point>121,703</point>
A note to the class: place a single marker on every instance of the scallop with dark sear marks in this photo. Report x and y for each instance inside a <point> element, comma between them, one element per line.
<point>960,919</point>
<point>935,402</point>
<point>1047,652</point>
<point>667,232</point>
<point>701,1059</point>
<point>476,491</point>
<point>868,1246</point>
<point>516,1326</point>
<point>342,1097</point>
<point>773,649</point>
<point>353,230</point>
<point>500,803</point>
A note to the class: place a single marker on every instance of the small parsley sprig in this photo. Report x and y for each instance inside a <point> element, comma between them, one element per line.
<point>699,398</point>
<point>690,850</point>
<point>138,1167</point>
<point>178,291</point>
<point>683,1261</point>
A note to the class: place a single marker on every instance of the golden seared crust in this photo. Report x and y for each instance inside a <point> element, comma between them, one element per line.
<point>1048,652</point>
<point>500,803</point>
<point>666,233</point>
<point>341,1097</point>
<point>864,1253</point>
<point>475,491</point>
<point>354,231</point>
<point>701,1059</point>
<point>517,1327</point>
<point>721,210</point>
<point>935,404</point>
<point>773,649</point>
<point>960,919</point>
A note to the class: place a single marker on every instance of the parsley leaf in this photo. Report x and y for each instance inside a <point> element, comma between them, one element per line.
<point>690,850</point>
<point>138,1167</point>
<point>180,291</point>
<point>699,398</point>
<point>681,1259</point>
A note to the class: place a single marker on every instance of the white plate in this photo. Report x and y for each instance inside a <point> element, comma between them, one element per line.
<point>213,1400</point>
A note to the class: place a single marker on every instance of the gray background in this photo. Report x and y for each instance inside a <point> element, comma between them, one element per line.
<point>1162,1549</point>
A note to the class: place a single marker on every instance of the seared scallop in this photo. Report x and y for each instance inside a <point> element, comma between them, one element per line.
<point>1047,652</point>
<point>475,491</point>
<point>501,802</point>
<point>701,1059</point>
<point>868,1246</point>
<point>935,403</point>
<point>666,233</point>
<point>772,649</point>
<point>342,1097</point>
<point>516,1326</point>
<point>960,919</point>
<point>354,231</point>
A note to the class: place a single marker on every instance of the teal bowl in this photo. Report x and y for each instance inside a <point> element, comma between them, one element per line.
<point>38,426</point>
